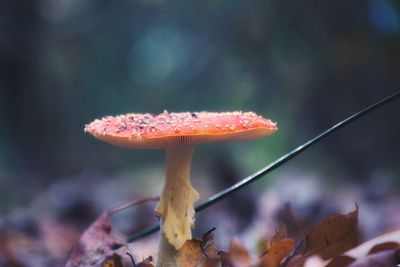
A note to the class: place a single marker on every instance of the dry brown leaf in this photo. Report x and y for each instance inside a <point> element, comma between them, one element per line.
<point>148,262</point>
<point>95,245</point>
<point>363,249</point>
<point>225,259</point>
<point>196,252</point>
<point>333,236</point>
<point>145,264</point>
<point>360,253</point>
<point>280,234</point>
<point>237,256</point>
<point>209,262</point>
<point>384,246</point>
<point>344,261</point>
<point>113,261</point>
<point>265,243</point>
<point>386,258</point>
<point>295,261</point>
<point>276,253</point>
<point>98,246</point>
<point>341,261</point>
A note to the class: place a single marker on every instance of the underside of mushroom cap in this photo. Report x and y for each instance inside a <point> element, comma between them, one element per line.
<point>170,129</point>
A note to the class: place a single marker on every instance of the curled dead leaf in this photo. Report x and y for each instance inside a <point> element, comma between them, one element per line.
<point>333,236</point>
<point>329,239</point>
<point>386,258</point>
<point>276,253</point>
<point>384,246</point>
<point>98,246</point>
<point>368,246</point>
<point>197,252</point>
<point>360,255</point>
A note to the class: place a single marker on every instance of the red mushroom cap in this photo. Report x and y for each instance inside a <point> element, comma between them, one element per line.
<point>171,129</point>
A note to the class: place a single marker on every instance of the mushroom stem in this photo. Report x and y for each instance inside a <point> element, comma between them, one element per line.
<point>176,205</point>
<point>167,256</point>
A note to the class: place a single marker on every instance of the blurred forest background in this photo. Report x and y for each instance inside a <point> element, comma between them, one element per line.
<point>304,64</point>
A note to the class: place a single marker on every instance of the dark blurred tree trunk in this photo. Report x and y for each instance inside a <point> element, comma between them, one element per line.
<point>21,107</point>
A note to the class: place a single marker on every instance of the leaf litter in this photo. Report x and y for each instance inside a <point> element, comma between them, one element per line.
<point>98,246</point>
<point>331,243</point>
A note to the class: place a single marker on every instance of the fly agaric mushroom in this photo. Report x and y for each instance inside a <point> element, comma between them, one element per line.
<point>178,133</point>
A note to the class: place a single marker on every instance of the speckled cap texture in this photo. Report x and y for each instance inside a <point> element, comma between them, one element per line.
<point>167,129</point>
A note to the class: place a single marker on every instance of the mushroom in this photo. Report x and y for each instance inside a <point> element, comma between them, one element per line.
<point>178,133</point>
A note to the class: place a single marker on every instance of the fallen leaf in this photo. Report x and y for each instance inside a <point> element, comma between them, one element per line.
<point>225,259</point>
<point>195,252</point>
<point>293,257</point>
<point>340,261</point>
<point>237,256</point>
<point>265,243</point>
<point>113,261</point>
<point>363,249</point>
<point>209,262</point>
<point>361,252</point>
<point>280,234</point>
<point>148,262</point>
<point>384,246</point>
<point>96,244</point>
<point>333,236</point>
<point>276,253</point>
<point>295,261</point>
<point>386,258</point>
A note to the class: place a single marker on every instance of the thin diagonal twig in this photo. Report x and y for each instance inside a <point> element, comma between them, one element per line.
<point>277,163</point>
<point>132,204</point>
<point>292,253</point>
